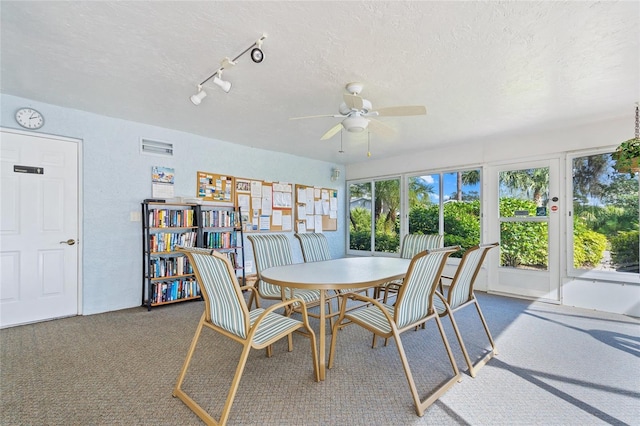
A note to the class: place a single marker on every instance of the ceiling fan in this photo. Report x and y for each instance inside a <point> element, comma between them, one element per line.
<point>357,114</point>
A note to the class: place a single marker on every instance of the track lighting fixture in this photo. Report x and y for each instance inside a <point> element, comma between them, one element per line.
<point>224,85</point>
<point>198,97</point>
<point>257,55</point>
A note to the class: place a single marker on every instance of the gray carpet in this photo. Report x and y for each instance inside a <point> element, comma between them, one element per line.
<point>556,366</point>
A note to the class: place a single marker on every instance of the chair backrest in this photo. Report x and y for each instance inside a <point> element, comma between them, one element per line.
<point>415,296</point>
<point>413,244</point>
<point>224,304</point>
<point>461,289</point>
<point>270,250</point>
<point>315,246</point>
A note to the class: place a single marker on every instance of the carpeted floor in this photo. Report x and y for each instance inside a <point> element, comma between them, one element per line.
<point>556,366</point>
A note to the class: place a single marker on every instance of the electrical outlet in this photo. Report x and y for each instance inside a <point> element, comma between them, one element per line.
<point>248,266</point>
<point>135,216</point>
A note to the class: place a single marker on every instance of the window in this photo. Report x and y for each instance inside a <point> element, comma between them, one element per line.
<point>605,218</point>
<point>446,203</point>
<point>374,206</point>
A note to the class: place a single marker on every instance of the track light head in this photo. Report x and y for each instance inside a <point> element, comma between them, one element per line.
<point>198,97</point>
<point>224,85</point>
<point>257,55</point>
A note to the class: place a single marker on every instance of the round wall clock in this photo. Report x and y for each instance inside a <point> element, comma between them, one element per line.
<point>29,118</point>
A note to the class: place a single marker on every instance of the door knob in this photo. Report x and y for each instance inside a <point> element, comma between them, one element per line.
<point>70,242</point>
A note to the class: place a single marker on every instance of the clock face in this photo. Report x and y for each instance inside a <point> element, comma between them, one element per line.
<point>29,118</point>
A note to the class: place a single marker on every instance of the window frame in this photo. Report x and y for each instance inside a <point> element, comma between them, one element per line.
<point>588,274</point>
<point>404,205</point>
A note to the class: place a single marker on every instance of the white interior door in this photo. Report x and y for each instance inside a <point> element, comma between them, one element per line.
<point>528,211</point>
<point>39,228</point>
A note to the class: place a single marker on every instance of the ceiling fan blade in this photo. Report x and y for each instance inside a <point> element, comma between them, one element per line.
<point>383,129</point>
<point>400,111</point>
<point>314,116</point>
<point>332,131</point>
<point>353,101</point>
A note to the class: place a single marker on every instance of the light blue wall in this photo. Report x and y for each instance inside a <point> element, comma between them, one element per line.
<point>116,178</point>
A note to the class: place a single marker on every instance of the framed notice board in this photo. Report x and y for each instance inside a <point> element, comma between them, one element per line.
<point>316,209</point>
<point>265,206</point>
<point>215,187</point>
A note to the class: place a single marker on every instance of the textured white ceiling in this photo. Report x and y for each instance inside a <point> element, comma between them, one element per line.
<point>480,68</point>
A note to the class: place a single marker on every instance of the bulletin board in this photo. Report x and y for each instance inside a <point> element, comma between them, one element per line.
<point>264,206</point>
<point>215,187</point>
<point>316,209</point>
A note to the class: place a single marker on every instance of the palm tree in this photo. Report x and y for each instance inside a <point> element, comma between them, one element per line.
<point>470,177</point>
<point>533,182</point>
<point>419,191</point>
<point>387,199</point>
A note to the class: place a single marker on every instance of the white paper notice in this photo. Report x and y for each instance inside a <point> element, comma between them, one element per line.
<point>276,218</point>
<point>302,196</point>
<point>325,207</point>
<point>244,202</point>
<point>333,203</point>
<point>302,211</point>
<point>316,192</point>
<point>310,222</point>
<point>309,207</point>
<point>333,214</point>
<point>267,200</point>
<point>265,223</point>
<point>286,222</point>
<point>302,227</point>
<point>256,188</point>
<point>318,224</point>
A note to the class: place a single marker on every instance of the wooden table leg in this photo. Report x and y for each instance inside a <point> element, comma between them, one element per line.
<point>323,320</point>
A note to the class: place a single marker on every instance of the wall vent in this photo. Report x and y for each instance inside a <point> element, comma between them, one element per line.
<point>151,147</point>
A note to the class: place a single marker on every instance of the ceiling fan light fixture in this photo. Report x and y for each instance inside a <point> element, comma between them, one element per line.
<point>355,123</point>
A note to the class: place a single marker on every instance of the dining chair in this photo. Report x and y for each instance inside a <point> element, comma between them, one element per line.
<point>227,313</point>
<point>315,248</point>
<point>412,244</point>
<point>413,307</point>
<point>460,295</point>
<point>271,250</point>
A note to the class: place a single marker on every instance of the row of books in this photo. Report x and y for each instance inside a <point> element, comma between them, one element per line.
<point>219,240</point>
<point>167,241</point>
<point>160,267</point>
<point>165,218</point>
<point>174,290</point>
<point>219,219</point>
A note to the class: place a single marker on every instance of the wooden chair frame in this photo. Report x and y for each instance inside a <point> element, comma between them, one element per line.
<point>248,343</point>
<point>455,300</point>
<point>390,315</point>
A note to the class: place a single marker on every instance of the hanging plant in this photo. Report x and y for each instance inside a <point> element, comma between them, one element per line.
<point>627,154</point>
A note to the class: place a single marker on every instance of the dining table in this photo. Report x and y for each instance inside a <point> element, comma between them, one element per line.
<point>336,274</point>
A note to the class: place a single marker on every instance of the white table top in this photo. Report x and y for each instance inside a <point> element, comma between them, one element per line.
<point>347,272</point>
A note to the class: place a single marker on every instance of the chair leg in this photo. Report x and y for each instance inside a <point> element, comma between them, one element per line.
<point>194,406</point>
<point>190,352</point>
<point>422,405</point>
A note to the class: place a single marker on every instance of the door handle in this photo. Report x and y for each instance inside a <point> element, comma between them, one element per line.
<point>70,242</point>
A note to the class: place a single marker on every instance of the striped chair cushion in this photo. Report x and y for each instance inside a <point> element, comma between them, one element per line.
<point>413,244</point>
<point>270,250</point>
<point>373,316</point>
<point>461,291</point>
<point>314,247</point>
<point>217,285</point>
<point>272,325</point>
<point>415,299</point>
